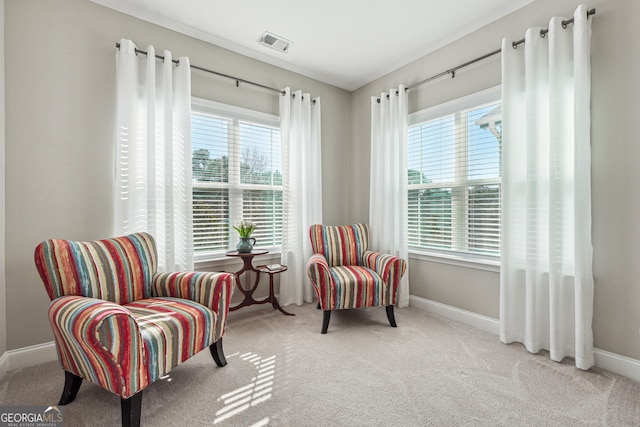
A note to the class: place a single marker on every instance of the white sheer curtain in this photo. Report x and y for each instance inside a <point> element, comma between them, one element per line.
<point>153,153</point>
<point>302,190</point>
<point>546,280</point>
<point>388,180</point>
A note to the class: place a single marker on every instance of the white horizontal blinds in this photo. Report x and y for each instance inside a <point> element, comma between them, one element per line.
<point>264,207</point>
<point>430,218</point>
<point>454,181</point>
<point>484,130</point>
<point>210,220</point>
<point>210,135</point>
<point>237,175</point>
<point>261,180</point>
<point>484,219</point>
<point>431,162</point>
<point>261,160</point>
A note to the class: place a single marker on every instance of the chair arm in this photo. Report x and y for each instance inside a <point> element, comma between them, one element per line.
<point>391,268</point>
<point>320,275</point>
<point>211,289</point>
<point>100,341</point>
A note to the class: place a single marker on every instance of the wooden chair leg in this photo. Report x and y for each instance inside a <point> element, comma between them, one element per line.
<point>218,353</point>
<point>390,316</point>
<point>131,409</point>
<point>326,316</point>
<point>72,384</point>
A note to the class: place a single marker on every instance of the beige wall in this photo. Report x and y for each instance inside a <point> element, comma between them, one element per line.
<point>615,151</point>
<point>60,65</point>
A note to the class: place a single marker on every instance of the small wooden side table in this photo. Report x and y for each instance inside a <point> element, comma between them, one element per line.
<point>272,296</point>
<point>248,289</point>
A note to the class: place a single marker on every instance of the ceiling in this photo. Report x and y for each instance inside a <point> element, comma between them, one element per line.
<point>346,43</point>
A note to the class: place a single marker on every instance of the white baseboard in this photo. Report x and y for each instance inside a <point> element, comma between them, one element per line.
<point>621,365</point>
<point>612,362</point>
<point>25,357</point>
<point>479,321</point>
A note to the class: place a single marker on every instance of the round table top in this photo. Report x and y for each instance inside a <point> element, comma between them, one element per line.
<point>253,253</point>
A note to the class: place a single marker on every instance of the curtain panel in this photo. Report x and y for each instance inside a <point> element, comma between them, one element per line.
<point>300,122</point>
<point>388,180</point>
<point>546,279</point>
<point>153,153</point>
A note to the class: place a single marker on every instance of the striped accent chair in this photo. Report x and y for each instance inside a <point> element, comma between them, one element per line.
<point>119,323</point>
<point>345,274</point>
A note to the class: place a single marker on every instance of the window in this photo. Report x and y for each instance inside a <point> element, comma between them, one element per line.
<point>236,168</point>
<point>454,173</point>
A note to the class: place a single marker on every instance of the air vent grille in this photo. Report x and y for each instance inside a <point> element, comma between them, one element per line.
<point>275,42</point>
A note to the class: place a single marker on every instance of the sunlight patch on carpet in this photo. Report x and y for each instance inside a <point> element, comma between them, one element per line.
<point>258,391</point>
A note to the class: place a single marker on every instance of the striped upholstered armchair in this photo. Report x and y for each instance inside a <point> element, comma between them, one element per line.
<point>120,324</point>
<point>345,274</point>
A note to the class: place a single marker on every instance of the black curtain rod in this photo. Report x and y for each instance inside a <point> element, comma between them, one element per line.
<point>452,71</point>
<point>238,80</point>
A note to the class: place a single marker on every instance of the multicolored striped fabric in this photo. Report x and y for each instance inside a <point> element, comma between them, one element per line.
<point>117,270</point>
<point>340,245</point>
<point>356,286</point>
<point>119,323</point>
<point>345,274</point>
<point>173,330</point>
<point>212,290</point>
<point>390,268</point>
<point>319,272</point>
<point>99,341</point>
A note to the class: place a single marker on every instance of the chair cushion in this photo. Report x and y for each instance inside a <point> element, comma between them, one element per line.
<point>173,330</point>
<point>356,286</point>
<point>340,245</point>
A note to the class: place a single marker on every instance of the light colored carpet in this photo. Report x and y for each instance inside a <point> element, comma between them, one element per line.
<point>283,372</point>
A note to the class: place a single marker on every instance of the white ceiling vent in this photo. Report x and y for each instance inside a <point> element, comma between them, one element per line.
<point>275,42</point>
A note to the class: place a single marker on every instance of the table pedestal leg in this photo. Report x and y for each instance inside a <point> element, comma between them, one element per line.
<point>274,300</point>
<point>249,289</point>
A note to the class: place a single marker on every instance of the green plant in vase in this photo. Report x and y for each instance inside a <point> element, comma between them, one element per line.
<point>244,229</point>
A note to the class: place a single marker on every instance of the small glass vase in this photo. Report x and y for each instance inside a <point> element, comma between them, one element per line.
<point>245,244</point>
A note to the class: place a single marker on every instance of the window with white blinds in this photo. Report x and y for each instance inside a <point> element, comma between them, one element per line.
<point>237,175</point>
<point>454,172</point>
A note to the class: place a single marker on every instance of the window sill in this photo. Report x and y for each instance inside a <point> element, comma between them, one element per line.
<point>221,262</point>
<point>467,261</point>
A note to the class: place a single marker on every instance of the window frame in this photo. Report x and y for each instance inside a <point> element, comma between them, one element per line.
<point>453,257</point>
<point>234,186</point>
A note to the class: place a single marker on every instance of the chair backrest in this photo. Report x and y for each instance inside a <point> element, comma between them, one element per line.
<point>340,244</point>
<point>117,270</point>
